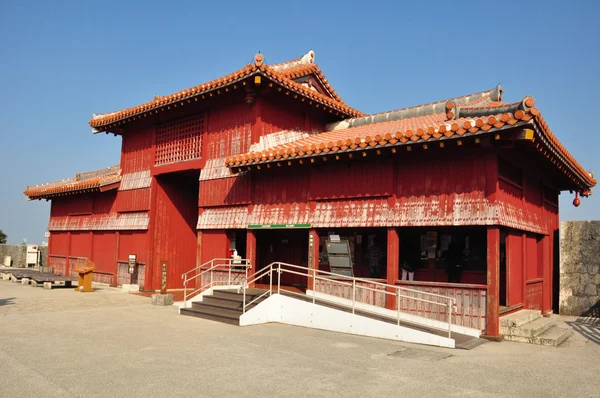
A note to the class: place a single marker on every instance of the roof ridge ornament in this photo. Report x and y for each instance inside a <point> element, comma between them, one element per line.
<point>259,59</point>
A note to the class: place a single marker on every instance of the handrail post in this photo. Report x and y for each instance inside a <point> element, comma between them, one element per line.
<point>353,294</point>
<point>229,276</point>
<point>449,319</point>
<point>185,293</point>
<point>398,304</point>
<point>244,296</point>
<point>314,285</point>
<point>278,278</point>
<point>270,280</point>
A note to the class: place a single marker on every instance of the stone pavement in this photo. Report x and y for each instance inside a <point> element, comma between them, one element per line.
<point>56,343</point>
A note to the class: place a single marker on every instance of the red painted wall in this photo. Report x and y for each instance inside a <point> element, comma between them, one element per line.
<point>133,200</point>
<point>514,266</point>
<point>59,242</point>
<point>133,242</point>
<point>137,152</point>
<point>81,244</point>
<point>228,131</point>
<point>215,244</point>
<point>105,251</point>
<point>225,191</point>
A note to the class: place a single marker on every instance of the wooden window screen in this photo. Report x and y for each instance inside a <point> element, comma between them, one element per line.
<point>179,140</point>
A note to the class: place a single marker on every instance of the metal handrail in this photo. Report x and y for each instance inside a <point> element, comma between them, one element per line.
<point>392,290</point>
<point>228,263</point>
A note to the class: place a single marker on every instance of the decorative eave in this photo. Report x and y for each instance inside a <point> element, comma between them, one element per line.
<point>95,181</point>
<point>243,77</point>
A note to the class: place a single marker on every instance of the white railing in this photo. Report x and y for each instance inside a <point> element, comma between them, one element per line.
<point>209,269</point>
<point>399,292</point>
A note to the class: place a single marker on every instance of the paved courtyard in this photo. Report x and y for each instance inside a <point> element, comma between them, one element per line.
<point>109,344</point>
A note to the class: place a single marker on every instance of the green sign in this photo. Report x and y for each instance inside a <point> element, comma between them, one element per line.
<point>277,226</point>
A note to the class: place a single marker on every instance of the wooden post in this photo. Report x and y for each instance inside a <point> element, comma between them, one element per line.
<point>313,255</point>
<point>546,274</point>
<point>493,282</point>
<point>251,251</point>
<point>393,262</point>
<point>524,287</point>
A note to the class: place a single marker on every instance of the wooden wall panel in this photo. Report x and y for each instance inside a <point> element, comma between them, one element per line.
<point>228,131</point>
<point>133,200</point>
<point>137,151</point>
<point>81,244</point>
<point>352,180</point>
<point>273,188</point>
<point>59,242</point>
<point>514,265</point>
<point>225,191</point>
<point>532,258</point>
<point>105,251</point>
<point>133,242</point>
<point>215,244</point>
<point>104,202</point>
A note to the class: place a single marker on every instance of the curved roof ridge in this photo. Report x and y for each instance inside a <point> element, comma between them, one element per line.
<point>432,108</point>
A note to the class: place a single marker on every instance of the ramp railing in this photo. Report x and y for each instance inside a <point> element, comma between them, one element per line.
<point>445,303</point>
<point>218,272</point>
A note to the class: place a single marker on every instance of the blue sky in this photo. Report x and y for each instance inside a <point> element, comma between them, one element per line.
<point>63,61</point>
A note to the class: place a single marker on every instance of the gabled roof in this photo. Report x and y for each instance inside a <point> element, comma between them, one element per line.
<point>280,74</point>
<point>465,116</point>
<point>98,180</point>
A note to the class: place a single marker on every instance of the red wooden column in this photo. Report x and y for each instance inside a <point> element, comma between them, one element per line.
<point>493,282</point>
<point>547,275</point>
<point>251,250</point>
<point>393,262</point>
<point>313,255</point>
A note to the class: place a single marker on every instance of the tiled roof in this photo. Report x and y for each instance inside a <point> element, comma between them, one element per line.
<point>459,117</point>
<point>82,182</point>
<point>279,73</point>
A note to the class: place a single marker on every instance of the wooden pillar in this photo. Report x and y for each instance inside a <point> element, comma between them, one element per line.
<point>200,234</point>
<point>393,262</point>
<point>547,275</point>
<point>313,255</point>
<point>116,260</point>
<point>251,251</point>
<point>493,282</point>
<point>524,287</point>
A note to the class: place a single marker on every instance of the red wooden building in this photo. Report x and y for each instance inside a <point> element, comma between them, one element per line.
<point>268,156</point>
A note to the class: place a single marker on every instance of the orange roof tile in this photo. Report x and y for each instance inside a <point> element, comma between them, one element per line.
<point>93,180</point>
<point>462,116</point>
<point>278,73</point>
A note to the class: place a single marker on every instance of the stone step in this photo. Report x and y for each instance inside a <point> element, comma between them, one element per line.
<point>530,329</point>
<point>554,336</point>
<point>212,317</point>
<point>225,302</point>
<point>251,294</point>
<point>216,309</point>
<point>519,318</point>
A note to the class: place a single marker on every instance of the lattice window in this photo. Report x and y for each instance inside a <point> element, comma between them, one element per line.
<point>179,140</point>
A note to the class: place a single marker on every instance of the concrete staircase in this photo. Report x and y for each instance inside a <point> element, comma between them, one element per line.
<point>222,306</point>
<point>528,326</point>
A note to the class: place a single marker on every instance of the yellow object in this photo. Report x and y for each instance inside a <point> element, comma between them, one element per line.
<point>84,280</point>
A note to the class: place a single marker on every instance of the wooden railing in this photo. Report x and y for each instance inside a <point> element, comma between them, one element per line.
<point>471,302</point>
<point>66,265</point>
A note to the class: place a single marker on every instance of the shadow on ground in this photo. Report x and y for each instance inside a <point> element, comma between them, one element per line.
<point>588,324</point>
<point>7,301</point>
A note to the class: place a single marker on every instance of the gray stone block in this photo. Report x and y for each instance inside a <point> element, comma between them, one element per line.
<point>127,288</point>
<point>47,285</point>
<point>25,281</point>
<point>34,283</point>
<point>162,299</point>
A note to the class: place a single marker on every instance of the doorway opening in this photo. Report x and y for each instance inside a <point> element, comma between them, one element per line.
<point>176,215</point>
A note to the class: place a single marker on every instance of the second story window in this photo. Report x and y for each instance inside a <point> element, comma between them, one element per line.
<point>179,140</point>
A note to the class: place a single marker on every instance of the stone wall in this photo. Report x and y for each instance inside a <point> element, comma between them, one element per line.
<point>19,255</point>
<point>579,266</point>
